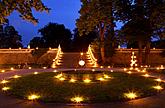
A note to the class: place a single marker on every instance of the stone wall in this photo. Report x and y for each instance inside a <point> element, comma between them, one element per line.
<point>123,56</point>
<point>22,56</point>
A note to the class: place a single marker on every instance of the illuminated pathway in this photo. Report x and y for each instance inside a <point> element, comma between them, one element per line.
<point>10,102</point>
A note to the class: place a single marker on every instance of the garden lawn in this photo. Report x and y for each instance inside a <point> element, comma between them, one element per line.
<point>52,89</point>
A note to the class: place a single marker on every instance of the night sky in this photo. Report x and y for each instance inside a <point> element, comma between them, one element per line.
<point>62,12</point>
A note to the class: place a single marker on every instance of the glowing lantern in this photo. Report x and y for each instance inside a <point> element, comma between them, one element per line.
<point>35,73</point>
<point>11,68</point>
<point>158,80</point>
<point>36,48</point>
<point>33,97</point>
<point>146,75</point>
<point>30,67</point>
<point>101,79</point>
<point>129,72</point>
<point>72,80</point>
<point>77,99</point>
<point>5,88</point>
<point>62,79</point>
<point>87,80</point>
<point>16,76</point>
<point>2,71</point>
<point>81,62</point>
<point>125,69</point>
<point>44,67</point>
<point>81,54</point>
<point>58,76</point>
<point>55,71</point>
<point>109,66</point>
<point>157,87</point>
<point>130,95</point>
<point>4,81</point>
<point>161,67</point>
<point>93,70</point>
<point>106,76</point>
<point>28,46</point>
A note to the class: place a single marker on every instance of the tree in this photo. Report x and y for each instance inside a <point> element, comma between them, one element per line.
<point>97,15</point>
<point>9,37</point>
<point>81,43</point>
<point>24,7</point>
<point>145,19</point>
<point>37,42</point>
<point>54,34</point>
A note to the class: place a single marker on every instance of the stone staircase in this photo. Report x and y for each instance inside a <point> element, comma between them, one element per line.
<point>71,60</point>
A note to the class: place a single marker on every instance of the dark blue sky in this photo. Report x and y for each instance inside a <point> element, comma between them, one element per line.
<point>62,12</point>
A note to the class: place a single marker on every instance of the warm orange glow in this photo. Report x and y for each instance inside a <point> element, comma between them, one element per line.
<point>161,67</point>
<point>44,67</point>
<point>144,70</point>
<point>16,76</point>
<point>130,95</point>
<point>5,88</point>
<point>158,87</point>
<point>81,53</point>
<point>72,80</point>
<point>2,71</point>
<point>158,80</point>
<point>30,67</point>
<point>77,99</point>
<point>33,97</point>
<point>93,70</point>
<point>11,68</point>
<point>101,79</point>
<point>111,70</point>
<point>4,81</point>
<point>87,80</point>
<point>101,66</point>
<point>55,71</point>
<point>62,79</point>
<point>81,62</point>
<point>146,75</point>
<point>125,69</point>
<point>58,76</point>
<point>106,76</point>
<point>129,72</point>
<point>35,73</point>
<point>109,66</point>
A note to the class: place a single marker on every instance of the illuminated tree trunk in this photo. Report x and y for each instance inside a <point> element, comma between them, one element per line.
<point>102,49</point>
<point>110,44</point>
<point>140,16</point>
<point>147,52</point>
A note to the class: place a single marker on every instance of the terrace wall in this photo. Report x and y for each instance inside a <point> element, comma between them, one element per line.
<point>123,56</point>
<point>22,56</point>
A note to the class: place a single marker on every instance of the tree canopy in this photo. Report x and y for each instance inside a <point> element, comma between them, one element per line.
<point>54,34</point>
<point>24,7</point>
<point>9,37</point>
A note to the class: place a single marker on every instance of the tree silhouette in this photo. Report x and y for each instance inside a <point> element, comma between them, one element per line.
<point>24,7</point>
<point>9,37</point>
<point>54,34</point>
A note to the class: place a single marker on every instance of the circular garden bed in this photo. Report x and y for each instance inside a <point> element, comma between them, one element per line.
<point>82,86</point>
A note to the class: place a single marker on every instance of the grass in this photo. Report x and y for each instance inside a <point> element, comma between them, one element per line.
<point>52,90</point>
